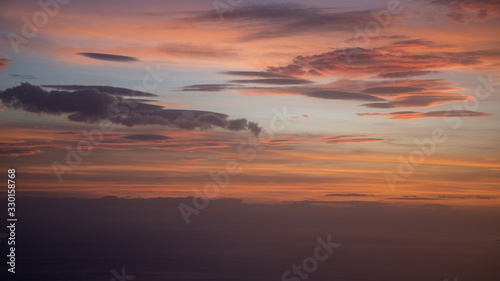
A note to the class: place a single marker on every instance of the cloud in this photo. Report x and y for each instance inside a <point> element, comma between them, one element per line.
<point>406,93</point>
<point>339,95</point>
<point>146,137</point>
<point>261,74</point>
<point>464,11</point>
<point>405,115</point>
<point>418,43</point>
<point>412,197</point>
<point>427,100</point>
<point>103,89</point>
<point>392,90</point>
<point>349,139</point>
<point>359,61</point>
<point>347,195</point>
<point>193,145</point>
<point>435,206</point>
<point>207,87</point>
<point>283,140</point>
<point>274,81</point>
<point>4,63</point>
<point>378,38</point>
<point>92,106</point>
<point>281,20</point>
<point>198,51</point>
<point>406,74</point>
<point>18,152</point>
<point>108,57</point>
<point>194,159</point>
<point>22,76</point>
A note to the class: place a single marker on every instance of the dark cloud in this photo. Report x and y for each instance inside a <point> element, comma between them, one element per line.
<point>339,95</point>
<point>146,137</point>
<point>22,76</point>
<point>274,81</point>
<point>406,74</point>
<point>108,57</point>
<point>103,89</point>
<point>347,195</point>
<point>481,197</point>
<point>287,19</point>
<point>404,115</point>
<point>92,106</point>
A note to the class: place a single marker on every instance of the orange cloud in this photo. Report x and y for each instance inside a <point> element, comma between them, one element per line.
<point>4,63</point>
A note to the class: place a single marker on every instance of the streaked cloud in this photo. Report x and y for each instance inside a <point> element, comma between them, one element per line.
<point>104,89</point>
<point>349,139</point>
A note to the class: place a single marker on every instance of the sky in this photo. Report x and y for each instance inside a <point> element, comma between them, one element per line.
<point>251,140</point>
<point>386,101</point>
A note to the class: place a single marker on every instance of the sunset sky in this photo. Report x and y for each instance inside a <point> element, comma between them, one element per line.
<point>320,101</point>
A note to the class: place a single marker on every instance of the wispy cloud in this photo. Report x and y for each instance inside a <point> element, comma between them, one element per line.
<point>92,106</point>
<point>350,139</point>
<point>109,57</point>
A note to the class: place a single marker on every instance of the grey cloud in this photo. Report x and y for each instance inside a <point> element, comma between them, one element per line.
<point>392,90</point>
<point>274,81</point>
<point>146,137</point>
<point>108,57</point>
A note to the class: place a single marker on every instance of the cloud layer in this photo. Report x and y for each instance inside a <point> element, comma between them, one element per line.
<point>91,106</point>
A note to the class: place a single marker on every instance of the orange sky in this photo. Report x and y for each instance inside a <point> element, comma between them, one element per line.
<point>306,99</point>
